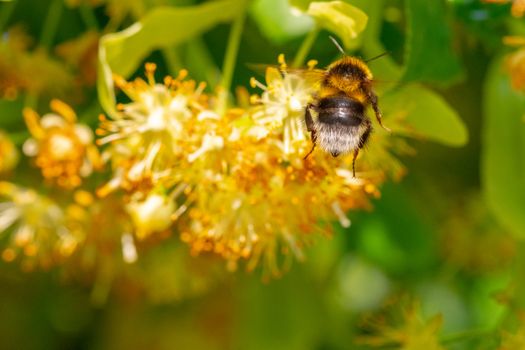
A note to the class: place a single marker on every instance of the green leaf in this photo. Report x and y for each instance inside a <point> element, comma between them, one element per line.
<point>338,17</point>
<point>278,21</point>
<point>503,152</point>
<point>416,111</point>
<point>429,56</point>
<point>162,27</point>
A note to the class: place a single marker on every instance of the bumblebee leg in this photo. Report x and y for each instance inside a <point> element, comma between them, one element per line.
<point>362,143</point>
<point>308,118</point>
<point>356,152</point>
<point>372,98</point>
<point>314,138</point>
<point>310,127</point>
<point>366,134</point>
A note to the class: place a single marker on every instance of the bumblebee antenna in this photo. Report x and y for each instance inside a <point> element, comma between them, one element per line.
<point>337,45</point>
<point>378,56</point>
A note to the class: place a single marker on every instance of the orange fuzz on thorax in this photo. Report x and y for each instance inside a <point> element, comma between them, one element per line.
<point>347,75</point>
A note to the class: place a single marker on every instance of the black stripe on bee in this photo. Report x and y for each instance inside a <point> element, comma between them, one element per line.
<point>340,110</point>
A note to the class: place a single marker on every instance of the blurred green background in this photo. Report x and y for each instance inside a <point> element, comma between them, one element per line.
<point>437,263</point>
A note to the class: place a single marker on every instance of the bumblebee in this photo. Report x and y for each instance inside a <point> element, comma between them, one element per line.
<point>336,118</point>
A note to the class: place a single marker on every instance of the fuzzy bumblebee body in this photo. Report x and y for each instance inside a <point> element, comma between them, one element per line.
<point>336,119</point>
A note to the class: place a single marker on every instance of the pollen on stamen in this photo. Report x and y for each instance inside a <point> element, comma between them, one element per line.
<point>63,109</point>
<point>282,61</point>
<point>343,219</point>
<point>120,82</point>
<point>311,64</point>
<point>100,132</point>
<point>129,251</point>
<point>200,88</point>
<point>150,72</point>
<point>255,83</point>
<point>183,73</point>
<point>168,81</point>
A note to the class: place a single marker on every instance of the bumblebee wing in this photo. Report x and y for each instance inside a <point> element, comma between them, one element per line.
<point>259,68</point>
<point>311,75</point>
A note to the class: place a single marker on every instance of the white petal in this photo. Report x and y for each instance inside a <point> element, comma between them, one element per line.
<point>84,134</point>
<point>30,147</point>
<point>52,120</point>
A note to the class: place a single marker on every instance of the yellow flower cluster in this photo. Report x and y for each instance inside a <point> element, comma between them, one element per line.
<point>236,184</point>
<point>63,149</point>
<point>37,227</point>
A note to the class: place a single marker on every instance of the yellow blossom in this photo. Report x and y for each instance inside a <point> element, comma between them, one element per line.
<point>238,184</point>
<point>262,208</point>
<point>36,226</point>
<point>281,108</point>
<point>153,132</point>
<point>63,149</point>
<point>151,214</point>
<point>8,154</point>
<point>106,230</point>
<point>255,198</point>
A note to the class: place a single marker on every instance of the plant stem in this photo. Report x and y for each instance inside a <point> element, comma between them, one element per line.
<point>51,24</point>
<point>88,16</point>
<point>5,14</point>
<point>173,61</point>
<point>305,48</point>
<point>200,62</point>
<point>230,58</point>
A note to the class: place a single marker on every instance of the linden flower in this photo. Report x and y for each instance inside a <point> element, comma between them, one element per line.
<point>36,225</point>
<point>233,194</point>
<point>105,227</point>
<point>8,154</point>
<point>63,149</point>
<point>251,194</point>
<point>152,214</point>
<point>148,135</point>
<point>262,208</point>
<point>282,106</point>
